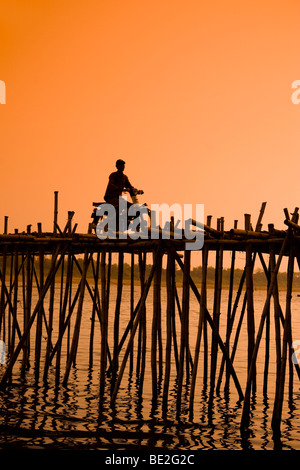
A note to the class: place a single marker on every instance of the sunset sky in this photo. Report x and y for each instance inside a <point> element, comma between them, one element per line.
<point>195,96</point>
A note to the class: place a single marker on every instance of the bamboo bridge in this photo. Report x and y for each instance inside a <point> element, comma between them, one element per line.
<point>23,269</point>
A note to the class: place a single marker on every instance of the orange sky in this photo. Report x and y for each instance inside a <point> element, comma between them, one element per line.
<point>194,95</point>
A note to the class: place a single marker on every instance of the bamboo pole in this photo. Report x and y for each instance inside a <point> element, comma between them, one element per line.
<point>76,332</point>
<point>278,402</point>
<point>70,309</point>
<point>142,268</point>
<point>2,298</point>
<point>174,335</point>
<point>155,319</point>
<point>66,324</point>
<point>247,222</point>
<point>10,313</point>
<point>15,300</point>
<point>143,338</point>
<point>216,314</point>
<point>131,322</point>
<point>170,280</point>
<point>103,325</point>
<point>200,328</point>
<point>62,314</point>
<point>5,224</point>
<point>55,212</point>
<point>39,326</point>
<point>54,267</point>
<point>138,313</point>
<point>230,294</point>
<point>205,352</point>
<point>160,348</point>
<point>92,295</point>
<point>131,307</point>
<point>95,298</point>
<point>60,320</point>
<point>28,291</point>
<point>231,317</point>
<point>250,310</point>
<point>18,331</point>
<point>179,308</point>
<point>229,320</point>
<point>236,338</point>
<point>276,320</point>
<point>246,407</point>
<point>184,329</point>
<point>267,343</point>
<point>115,361</point>
<point>211,323</point>
<point>86,285</point>
<point>50,327</point>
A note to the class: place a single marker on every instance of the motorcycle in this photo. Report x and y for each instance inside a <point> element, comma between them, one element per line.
<point>97,205</point>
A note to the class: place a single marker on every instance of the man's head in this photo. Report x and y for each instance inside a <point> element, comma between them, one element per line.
<point>120,164</point>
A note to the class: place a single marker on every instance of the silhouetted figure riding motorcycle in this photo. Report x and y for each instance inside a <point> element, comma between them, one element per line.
<point>118,183</point>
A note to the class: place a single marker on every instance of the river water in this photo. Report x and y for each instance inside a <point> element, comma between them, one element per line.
<point>43,416</point>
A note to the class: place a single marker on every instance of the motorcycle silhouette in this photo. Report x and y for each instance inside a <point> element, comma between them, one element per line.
<point>97,206</point>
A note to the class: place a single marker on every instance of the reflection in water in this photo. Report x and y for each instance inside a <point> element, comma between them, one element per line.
<point>45,415</point>
<point>49,416</point>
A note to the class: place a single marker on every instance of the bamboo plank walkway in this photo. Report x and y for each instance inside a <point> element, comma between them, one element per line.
<point>23,258</point>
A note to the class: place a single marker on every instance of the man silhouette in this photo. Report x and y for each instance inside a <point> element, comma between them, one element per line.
<point>117,183</point>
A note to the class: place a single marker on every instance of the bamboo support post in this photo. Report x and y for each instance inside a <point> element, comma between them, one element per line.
<point>62,314</point>
<point>250,311</point>
<point>228,322</point>
<point>55,212</point>
<point>15,300</point>
<point>143,330</point>
<point>142,270</point>
<point>50,328</point>
<point>95,300</point>
<point>211,323</point>
<point>278,402</point>
<point>200,328</point>
<point>155,320</point>
<point>267,341</point>
<point>10,310</point>
<point>27,305</point>
<point>54,267</point>
<point>104,324</point>
<point>131,307</point>
<point>246,408</point>
<point>2,298</point>
<point>184,337</point>
<point>5,224</point>
<point>216,313</point>
<point>139,311</point>
<point>75,339</point>
<point>117,320</point>
<point>170,312</point>
<point>39,326</point>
